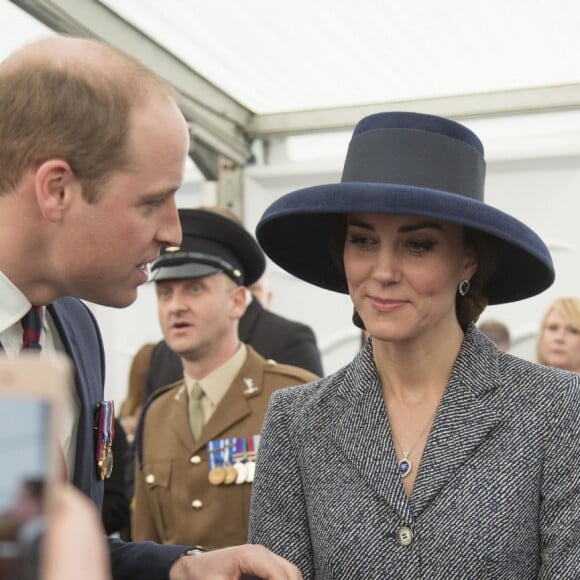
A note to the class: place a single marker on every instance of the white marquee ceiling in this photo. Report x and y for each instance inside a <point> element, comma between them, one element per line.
<point>258,68</point>
<point>275,56</point>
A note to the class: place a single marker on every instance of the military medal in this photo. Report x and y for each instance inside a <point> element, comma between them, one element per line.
<point>239,457</point>
<point>231,473</point>
<point>105,431</point>
<point>216,476</point>
<point>242,472</point>
<point>252,442</point>
<point>217,473</point>
<point>250,468</point>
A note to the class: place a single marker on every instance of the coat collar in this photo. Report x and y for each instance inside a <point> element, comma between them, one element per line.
<point>465,417</point>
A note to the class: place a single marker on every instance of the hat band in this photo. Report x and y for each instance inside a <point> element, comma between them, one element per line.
<point>171,259</point>
<point>416,158</point>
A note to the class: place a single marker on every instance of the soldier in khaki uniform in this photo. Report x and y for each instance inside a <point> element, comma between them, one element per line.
<point>199,436</point>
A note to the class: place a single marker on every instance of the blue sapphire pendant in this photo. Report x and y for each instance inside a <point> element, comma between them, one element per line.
<point>405,465</point>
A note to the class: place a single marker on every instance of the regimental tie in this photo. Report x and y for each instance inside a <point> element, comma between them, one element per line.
<point>196,410</point>
<point>31,327</point>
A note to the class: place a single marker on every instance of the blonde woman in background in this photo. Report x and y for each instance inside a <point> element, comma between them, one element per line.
<point>559,336</point>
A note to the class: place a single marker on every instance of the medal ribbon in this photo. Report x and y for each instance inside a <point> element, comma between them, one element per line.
<point>214,453</point>
<point>240,448</point>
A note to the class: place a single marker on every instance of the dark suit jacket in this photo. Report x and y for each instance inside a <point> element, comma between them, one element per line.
<point>497,494</point>
<point>80,335</point>
<point>116,512</point>
<point>272,336</point>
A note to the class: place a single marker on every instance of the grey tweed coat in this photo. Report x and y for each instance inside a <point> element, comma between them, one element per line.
<point>497,494</point>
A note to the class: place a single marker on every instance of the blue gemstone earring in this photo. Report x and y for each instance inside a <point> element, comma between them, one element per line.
<point>464,287</point>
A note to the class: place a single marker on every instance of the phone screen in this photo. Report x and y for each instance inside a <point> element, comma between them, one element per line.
<point>24,464</point>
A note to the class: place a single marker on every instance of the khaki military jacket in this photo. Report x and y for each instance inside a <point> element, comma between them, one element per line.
<point>174,501</point>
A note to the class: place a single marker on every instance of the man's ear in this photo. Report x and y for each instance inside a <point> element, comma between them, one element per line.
<point>55,186</point>
<point>239,302</point>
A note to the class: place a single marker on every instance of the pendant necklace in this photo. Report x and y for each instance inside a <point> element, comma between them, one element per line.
<point>404,466</point>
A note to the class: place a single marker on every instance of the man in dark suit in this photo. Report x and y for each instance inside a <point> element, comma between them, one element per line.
<point>92,151</point>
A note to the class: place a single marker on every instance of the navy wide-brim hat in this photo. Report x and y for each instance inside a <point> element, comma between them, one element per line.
<point>405,164</point>
<point>211,243</point>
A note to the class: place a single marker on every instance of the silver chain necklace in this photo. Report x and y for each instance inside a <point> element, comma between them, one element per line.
<point>404,466</point>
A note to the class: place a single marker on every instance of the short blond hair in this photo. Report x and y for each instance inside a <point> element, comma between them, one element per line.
<point>569,308</point>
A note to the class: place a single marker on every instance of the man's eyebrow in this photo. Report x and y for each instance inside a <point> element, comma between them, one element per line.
<point>153,195</point>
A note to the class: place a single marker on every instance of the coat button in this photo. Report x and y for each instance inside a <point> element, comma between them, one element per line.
<point>149,478</point>
<point>404,536</point>
<point>195,459</point>
<point>196,504</point>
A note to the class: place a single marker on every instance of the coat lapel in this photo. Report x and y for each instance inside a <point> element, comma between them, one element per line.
<point>179,419</point>
<point>465,419</point>
<point>231,409</point>
<point>362,434</point>
<point>79,334</point>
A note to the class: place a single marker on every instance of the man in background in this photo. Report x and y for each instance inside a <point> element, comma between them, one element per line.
<point>199,437</point>
<point>272,336</point>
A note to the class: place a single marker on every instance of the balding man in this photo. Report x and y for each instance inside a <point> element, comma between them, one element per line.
<point>92,151</point>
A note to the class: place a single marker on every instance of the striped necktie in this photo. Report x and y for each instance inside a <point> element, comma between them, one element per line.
<point>31,327</point>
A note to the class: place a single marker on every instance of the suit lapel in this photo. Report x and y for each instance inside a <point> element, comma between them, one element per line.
<point>234,406</point>
<point>362,434</point>
<point>231,409</point>
<point>79,335</point>
<point>179,420</point>
<point>464,420</point>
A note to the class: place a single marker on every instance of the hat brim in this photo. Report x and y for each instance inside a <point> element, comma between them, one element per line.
<point>182,272</point>
<point>294,233</point>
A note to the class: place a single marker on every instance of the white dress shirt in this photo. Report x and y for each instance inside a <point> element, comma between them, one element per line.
<point>13,306</point>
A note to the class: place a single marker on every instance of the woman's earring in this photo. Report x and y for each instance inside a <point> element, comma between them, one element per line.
<point>464,287</point>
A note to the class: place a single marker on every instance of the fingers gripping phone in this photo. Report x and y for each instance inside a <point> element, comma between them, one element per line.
<point>32,395</point>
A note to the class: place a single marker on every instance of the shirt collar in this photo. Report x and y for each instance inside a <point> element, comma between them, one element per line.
<point>13,306</point>
<point>216,384</point>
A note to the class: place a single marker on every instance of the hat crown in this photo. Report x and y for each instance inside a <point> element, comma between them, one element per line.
<point>420,122</point>
<point>212,242</point>
<point>413,149</point>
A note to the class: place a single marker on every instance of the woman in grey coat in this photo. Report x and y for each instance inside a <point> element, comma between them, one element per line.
<point>432,454</point>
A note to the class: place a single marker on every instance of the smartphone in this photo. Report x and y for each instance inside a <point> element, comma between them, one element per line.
<point>32,397</point>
